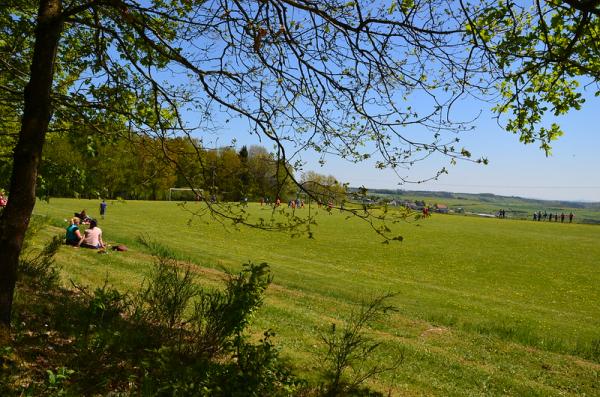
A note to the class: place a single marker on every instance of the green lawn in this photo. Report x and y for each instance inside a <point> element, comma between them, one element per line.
<point>515,207</point>
<point>486,306</point>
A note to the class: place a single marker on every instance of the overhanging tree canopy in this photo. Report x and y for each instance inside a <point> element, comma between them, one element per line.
<point>543,52</point>
<point>336,77</point>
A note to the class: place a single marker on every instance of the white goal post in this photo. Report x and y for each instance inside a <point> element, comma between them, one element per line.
<point>184,189</point>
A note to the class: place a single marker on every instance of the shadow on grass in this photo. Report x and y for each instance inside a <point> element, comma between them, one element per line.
<point>81,342</point>
<point>102,342</point>
<point>60,329</point>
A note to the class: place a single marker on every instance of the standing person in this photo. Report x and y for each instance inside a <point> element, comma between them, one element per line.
<point>535,216</point>
<point>570,217</point>
<point>562,217</point>
<point>73,236</point>
<point>103,208</point>
<point>92,237</point>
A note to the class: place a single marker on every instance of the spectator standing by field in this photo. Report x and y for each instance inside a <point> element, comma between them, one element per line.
<point>570,217</point>
<point>103,208</point>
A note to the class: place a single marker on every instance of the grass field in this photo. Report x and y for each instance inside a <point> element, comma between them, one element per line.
<point>515,207</point>
<point>486,306</point>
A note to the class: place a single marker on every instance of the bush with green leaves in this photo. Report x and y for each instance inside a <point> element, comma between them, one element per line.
<point>211,356</point>
<point>104,304</point>
<point>166,294</point>
<point>56,381</point>
<point>220,316</point>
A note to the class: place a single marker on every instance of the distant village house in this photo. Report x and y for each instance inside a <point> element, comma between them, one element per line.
<point>441,208</point>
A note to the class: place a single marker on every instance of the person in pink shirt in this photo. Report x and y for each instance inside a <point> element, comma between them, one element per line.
<point>92,237</point>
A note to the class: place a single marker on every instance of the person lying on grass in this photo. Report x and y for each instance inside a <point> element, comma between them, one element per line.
<point>92,237</point>
<point>83,218</point>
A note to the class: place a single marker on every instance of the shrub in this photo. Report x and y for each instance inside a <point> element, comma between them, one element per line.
<point>213,357</point>
<point>166,294</point>
<point>41,266</point>
<point>105,303</point>
<point>348,351</point>
<point>219,315</point>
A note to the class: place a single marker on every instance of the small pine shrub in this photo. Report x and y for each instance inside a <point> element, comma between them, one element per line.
<point>41,266</point>
<point>348,350</point>
<point>166,294</point>
<point>107,303</point>
<point>220,315</point>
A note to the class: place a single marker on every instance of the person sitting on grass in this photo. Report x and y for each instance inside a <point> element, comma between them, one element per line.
<point>84,219</point>
<point>92,237</point>
<point>73,236</point>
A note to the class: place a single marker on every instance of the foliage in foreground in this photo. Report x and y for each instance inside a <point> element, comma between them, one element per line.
<point>83,342</point>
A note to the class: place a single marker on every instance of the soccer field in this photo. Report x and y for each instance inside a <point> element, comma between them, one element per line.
<point>486,306</point>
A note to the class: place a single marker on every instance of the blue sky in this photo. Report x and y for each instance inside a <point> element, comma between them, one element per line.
<point>514,169</point>
<point>570,173</point>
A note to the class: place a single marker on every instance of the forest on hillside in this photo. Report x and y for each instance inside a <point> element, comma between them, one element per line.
<point>145,168</point>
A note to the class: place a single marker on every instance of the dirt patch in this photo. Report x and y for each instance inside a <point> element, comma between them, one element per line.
<point>434,331</point>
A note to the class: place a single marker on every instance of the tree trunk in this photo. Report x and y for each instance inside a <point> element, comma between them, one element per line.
<point>28,152</point>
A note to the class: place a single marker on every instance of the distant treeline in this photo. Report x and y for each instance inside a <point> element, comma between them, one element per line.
<point>145,168</point>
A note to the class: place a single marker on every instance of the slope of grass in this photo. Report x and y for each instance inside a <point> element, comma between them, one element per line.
<point>487,306</point>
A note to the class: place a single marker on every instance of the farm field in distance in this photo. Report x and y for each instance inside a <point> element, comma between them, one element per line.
<point>515,207</point>
<point>485,306</point>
